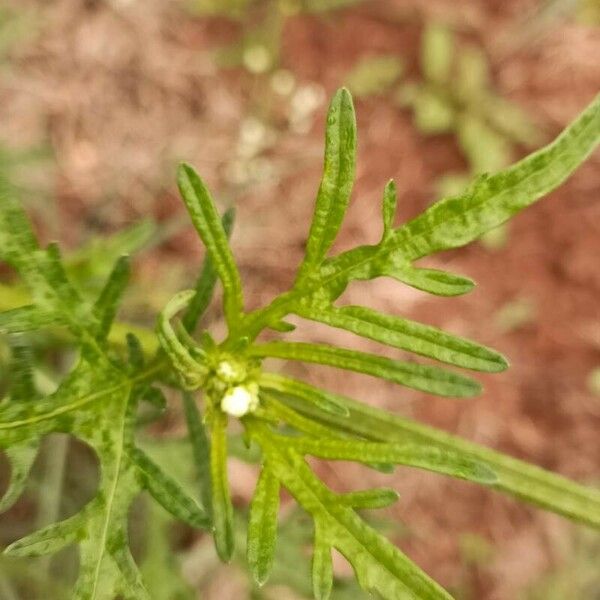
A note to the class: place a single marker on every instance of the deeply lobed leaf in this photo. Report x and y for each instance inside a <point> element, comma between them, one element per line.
<point>380,567</point>
<point>514,477</point>
<point>97,401</point>
<point>493,199</point>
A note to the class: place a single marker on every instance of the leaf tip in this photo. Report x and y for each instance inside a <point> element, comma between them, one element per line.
<point>344,94</point>
<point>184,167</point>
<point>185,172</point>
<point>260,576</point>
<point>11,550</point>
<point>501,363</point>
<point>224,549</point>
<point>342,101</point>
<point>228,217</point>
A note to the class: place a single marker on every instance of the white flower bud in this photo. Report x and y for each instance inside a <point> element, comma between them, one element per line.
<point>240,400</point>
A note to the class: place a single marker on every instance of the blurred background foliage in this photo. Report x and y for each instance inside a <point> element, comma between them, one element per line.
<point>99,100</point>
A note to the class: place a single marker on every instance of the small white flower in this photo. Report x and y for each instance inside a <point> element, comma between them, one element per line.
<point>240,400</point>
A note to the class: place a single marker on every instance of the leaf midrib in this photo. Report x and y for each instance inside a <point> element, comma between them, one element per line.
<point>87,399</point>
<point>112,494</point>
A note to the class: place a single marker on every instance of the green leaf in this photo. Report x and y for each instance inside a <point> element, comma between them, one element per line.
<point>130,586</point>
<point>434,113</point>
<point>17,241</point>
<point>419,377</point>
<point>96,257</point>
<point>437,53</point>
<point>103,543</point>
<point>262,526</point>
<point>222,509</point>
<point>322,565</point>
<point>105,308</point>
<point>97,401</point>
<point>22,385</point>
<point>492,200</point>
<point>23,395</point>
<point>374,75</point>
<point>44,275</point>
<point>282,326</point>
<point>206,220</point>
<point>517,478</point>
<point>205,284</point>
<point>168,493</point>
<point>280,412</point>
<point>59,295</point>
<point>509,119</point>
<point>336,184</point>
<point>382,569</point>
<point>50,539</point>
<point>458,220</point>
<point>369,262</point>
<point>191,371</point>
<point>26,318</point>
<point>370,499</point>
<point>389,205</point>
<point>411,336</point>
<point>286,385</point>
<point>135,352</point>
<point>431,459</point>
<point>100,528</point>
<point>432,281</point>
<point>21,458</point>
<point>486,149</point>
<point>473,76</point>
